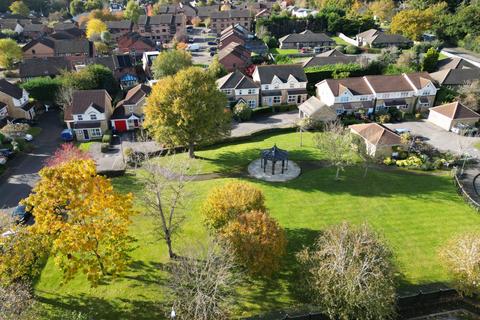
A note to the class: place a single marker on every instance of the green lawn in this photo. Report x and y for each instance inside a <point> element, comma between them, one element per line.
<point>34,131</point>
<point>414,212</point>
<point>340,41</point>
<point>284,51</point>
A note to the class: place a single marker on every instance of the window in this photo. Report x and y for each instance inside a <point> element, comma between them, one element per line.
<point>292,85</point>
<point>426,92</point>
<point>276,99</point>
<point>363,98</point>
<point>266,87</point>
<point>130,109</point>
<point>405,106</point>
<point>339,111</point>
<point>93,116</point>
<point>292,99</point>
<point>33,51</point>
<point>252,103</point>
<point>275,85</point>
<point>343,99</point>
<point>79,117</point>
<point>227,91</point>
<point>96,132</point>
<point>239,91</point>
<point>404,94</point>
<point>386,95</point>
<point>251,91</point>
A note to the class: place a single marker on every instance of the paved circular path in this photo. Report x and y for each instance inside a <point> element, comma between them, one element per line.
<point>255,171</point>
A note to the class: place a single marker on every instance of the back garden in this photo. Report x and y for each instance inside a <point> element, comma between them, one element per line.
<point>415,211</point>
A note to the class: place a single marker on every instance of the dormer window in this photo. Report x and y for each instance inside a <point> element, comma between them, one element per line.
<point>292,85</point>
<point>275,85</point>
<point>79,117</point>
<point>93,116</point>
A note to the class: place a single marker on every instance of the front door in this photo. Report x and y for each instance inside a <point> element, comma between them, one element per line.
<point>85,135</point>
<point>135,123</point>
<point>299,99</point>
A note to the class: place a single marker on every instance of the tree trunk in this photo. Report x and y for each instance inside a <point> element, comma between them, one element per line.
<point>191,150</point>
<point>365,172</point>
<point>168,240</point>
<point>337,175</point>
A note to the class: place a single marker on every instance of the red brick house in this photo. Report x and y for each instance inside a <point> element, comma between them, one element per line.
<point>134,42</point>
<point>234,56</point>
<point>128,114</point>
<point>74,50</point>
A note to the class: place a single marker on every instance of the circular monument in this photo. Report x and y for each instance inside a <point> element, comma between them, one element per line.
<point>274,166</point>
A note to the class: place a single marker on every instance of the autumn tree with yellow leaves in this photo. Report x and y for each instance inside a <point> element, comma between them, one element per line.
<point>84,218</point>
<point>95,27</point>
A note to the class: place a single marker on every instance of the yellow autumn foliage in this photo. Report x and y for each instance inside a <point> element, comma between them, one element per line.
<point>95,27</point>
<point>227,202</point>
<point>86,220</point>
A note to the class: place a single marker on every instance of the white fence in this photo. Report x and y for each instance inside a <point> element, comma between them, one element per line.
<point>452,55</point>
<point>347,39</point>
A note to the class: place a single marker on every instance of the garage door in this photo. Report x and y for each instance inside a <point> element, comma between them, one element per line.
<point>121,125</point>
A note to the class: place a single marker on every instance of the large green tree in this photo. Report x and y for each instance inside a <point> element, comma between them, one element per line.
<point>170,62</point>
<point>9,53</point>
<point>20,8</point>
<point>429,62</point>
<point>187,109</point>
<point>132,11</point>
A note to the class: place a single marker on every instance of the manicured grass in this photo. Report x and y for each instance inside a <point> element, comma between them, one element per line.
<point>284,51</point>
<point>34,131</point>
<point>340,41</point>
<point>415,213</point>
<point>85,146</point>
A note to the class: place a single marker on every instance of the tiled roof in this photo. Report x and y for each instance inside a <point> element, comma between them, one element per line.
<point>314,106</point>
<point>454,63</point>
<point>456,77</point>
<point>10,89</point>
<point>83,99</point>
<point>376,134</point>
<point>228,14</point>
<point>135,94</point>
<point>267,72</point>
<point>356,85</point>
<point>306,36</point>
<point>40,67</point>
<point>235,49</point>
<point>122,24</point>
<point>390,83</point>
<point>236,80</point>
<point>455,110</point>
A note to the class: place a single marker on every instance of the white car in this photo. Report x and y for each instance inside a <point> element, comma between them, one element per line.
<point>3,160</point>
<point>28,137</point>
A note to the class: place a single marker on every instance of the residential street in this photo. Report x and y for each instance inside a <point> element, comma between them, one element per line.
<point>277,120</point>
<point>21,174</point>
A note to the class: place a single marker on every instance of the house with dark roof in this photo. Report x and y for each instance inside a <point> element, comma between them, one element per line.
<point>119,28</point>
<point>162,27</point>
<point>14,102</point>
<point>305,39</point>
<point>237,33</point>
<point>133,42</point>
<point>122,66</point>
<point>43,67</point>
<point>405,92</point>
<point>179,8</point>
<point>35,30</point>
<point>222,19</point>
<point>456,77</point>
<point>454,63</point>
<point>76,50</point>
<point>281,84</point>
<point>450,115</point>
<point>328,58</point>
<point>379,140</point>
<point>378,39</point>
<point>234,56</point>
<point>89,113</point>
<point>204,12</point>
<point>240,88</point>
<point>128,114</point>
<point>315,109</point>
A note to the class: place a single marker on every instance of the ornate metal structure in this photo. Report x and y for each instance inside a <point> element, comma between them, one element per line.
<point>274,155</point>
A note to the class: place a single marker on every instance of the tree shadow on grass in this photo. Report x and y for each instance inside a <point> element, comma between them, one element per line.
<point>268,293</point>
<point>100,308</point>
<point>377,183</point>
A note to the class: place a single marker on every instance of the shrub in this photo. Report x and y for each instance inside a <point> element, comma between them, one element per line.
<point>418,116</point>
<point>340,48</point>
<point>128,153</point>
<point>411,162</point>
<point>258,242</point>
<point>350,49</point>
<point>384,118</point>
<point>105,147</point>
<point>15,130</point>
<point>227,202</point>
<point>349,274</point>
<point>242,112</point>
<point>389,161</point>
<point>107,138</point>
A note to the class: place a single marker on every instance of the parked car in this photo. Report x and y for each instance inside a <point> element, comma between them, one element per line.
<point>212,53</point>
<point>402,131</point>
<point>31,122</point>
<point>3,160</point>
<point>67,135</point>
<point>21,215</point>
<point>7,153</point>
<point>28,137</point>
<point>317,50</point>
<point>212,43</point>
<point>191,40</point>
<point>306,50</point>
<point>213,49</point>
<point>193,47</point>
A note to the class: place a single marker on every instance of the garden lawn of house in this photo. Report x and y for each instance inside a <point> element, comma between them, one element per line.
<point>415,213</point>
<point>284,51</point>
<point>340,41</point>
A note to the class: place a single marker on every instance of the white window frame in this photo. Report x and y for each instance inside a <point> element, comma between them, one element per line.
<point>79,117</point>
<point>277,100</point>
<point>93,116</point>
<point>252,103</point>
<point>96,132</point>
<point>292,99</point>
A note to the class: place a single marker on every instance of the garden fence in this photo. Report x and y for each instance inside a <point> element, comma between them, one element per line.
<point>464,192</point>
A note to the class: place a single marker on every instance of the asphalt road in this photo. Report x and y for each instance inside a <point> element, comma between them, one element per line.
<point>21,173</point>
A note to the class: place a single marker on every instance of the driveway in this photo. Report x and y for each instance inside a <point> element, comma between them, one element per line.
<point>439,138</point>
<point>278,120</point>
<point>21,173</point>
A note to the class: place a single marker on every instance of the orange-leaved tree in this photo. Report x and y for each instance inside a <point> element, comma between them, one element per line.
<point>258,242</point>
<point>85,218</point>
